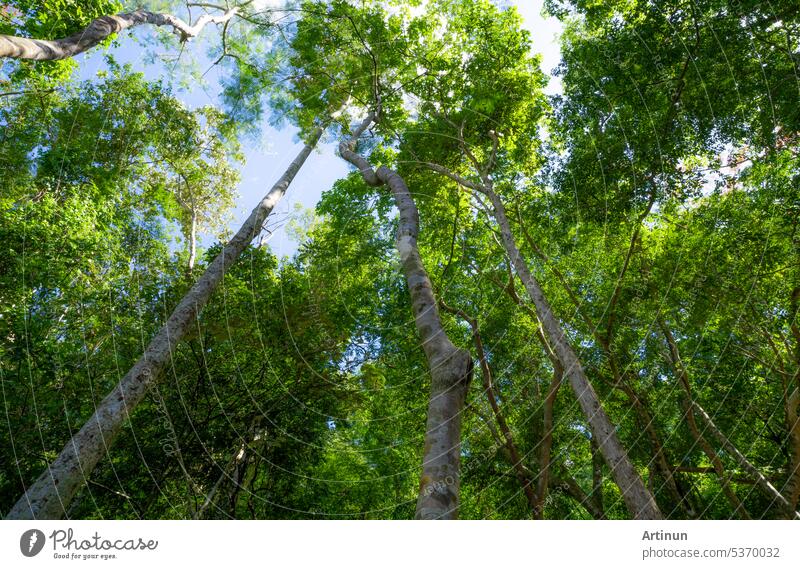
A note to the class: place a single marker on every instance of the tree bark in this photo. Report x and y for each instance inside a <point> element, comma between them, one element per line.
<point>545,451</point>
<point>49,496</point>
<point>638,499</point>
<point>192,242</point>
<point>621,379</point>
<point>691,421</point>
<point>99,30</point>
<point>492,397</point>
<point>792,487</point>
<point>769,490</point>
<point>450,367</point>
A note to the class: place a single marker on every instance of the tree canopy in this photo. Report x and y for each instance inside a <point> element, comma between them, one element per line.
<point>520,302</point>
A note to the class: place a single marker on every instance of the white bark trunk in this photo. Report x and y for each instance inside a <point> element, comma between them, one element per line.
<point>192,242</point>
<point>637,497</point>
<point>450,367</point>
<point>697,435</point>
<point>766,486</point>
<point>99,30</point>
<point>48,497</point>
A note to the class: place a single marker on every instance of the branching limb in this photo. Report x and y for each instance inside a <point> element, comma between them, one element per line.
<point>99,30</point>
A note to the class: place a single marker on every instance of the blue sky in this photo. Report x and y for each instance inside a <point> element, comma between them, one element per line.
<point>267,159</point>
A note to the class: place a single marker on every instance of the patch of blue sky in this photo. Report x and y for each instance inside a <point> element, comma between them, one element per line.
<point>267,158</point>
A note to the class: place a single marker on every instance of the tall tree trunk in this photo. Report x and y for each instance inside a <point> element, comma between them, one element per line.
<point>99,30</point>
<point>546,448</point>
<point>597,476</point>
<point>621,379</point>
<point>637,497</point>
<point>761,480</point>
<point>49,496</point>
<point>691,421</point>
<point>571,487</point>
<point>450,367</point>
<point>492,397</point>
<point>192,242</point>
<point>792,487</point>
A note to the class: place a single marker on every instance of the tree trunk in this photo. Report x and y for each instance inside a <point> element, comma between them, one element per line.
<point>597,476</point>
<point>691,421</point>
<point>545,450</point>
<point>99,30</point>
<point>192,242</point>
<point>792,488</point>
<point>638,499</point>
<point>450,367</point>
<point>568,485</point>
<point>761,480</point>
<point>48,497</point>
<point>621,380</point>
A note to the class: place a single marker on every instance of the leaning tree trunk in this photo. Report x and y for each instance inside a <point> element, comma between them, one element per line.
<point>99,30</point>
<point>719,469</point>
<point>570,486</point>
<point>637,497</point>
<point>192,242</point>
<point>49,496</point>
<point>450,367</point>
<point>792,488</point>
<point>766,486</point>
<point>492,397</point>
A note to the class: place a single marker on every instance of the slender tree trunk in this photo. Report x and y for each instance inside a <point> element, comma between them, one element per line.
<point>570,486</point>
<point>792,395</point>
<point>99,30</point>
<point>49,496</point>
<point>719,469</point>
<point>792,487</point>
<point>621,379</point>
<point>492,397</point>
<point>192,242</point>
<point>691,421</point>
<point>450,367</point>
<point>597,476</point>
<point>761,480</point>
<point>545,451</point>
<point>638,499</point>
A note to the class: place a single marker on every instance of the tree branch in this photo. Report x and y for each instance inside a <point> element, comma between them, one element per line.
<point>99,30</point>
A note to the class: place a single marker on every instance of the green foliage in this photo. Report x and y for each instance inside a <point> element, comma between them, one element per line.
<point>656,197</point>
<point>49,19</point>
